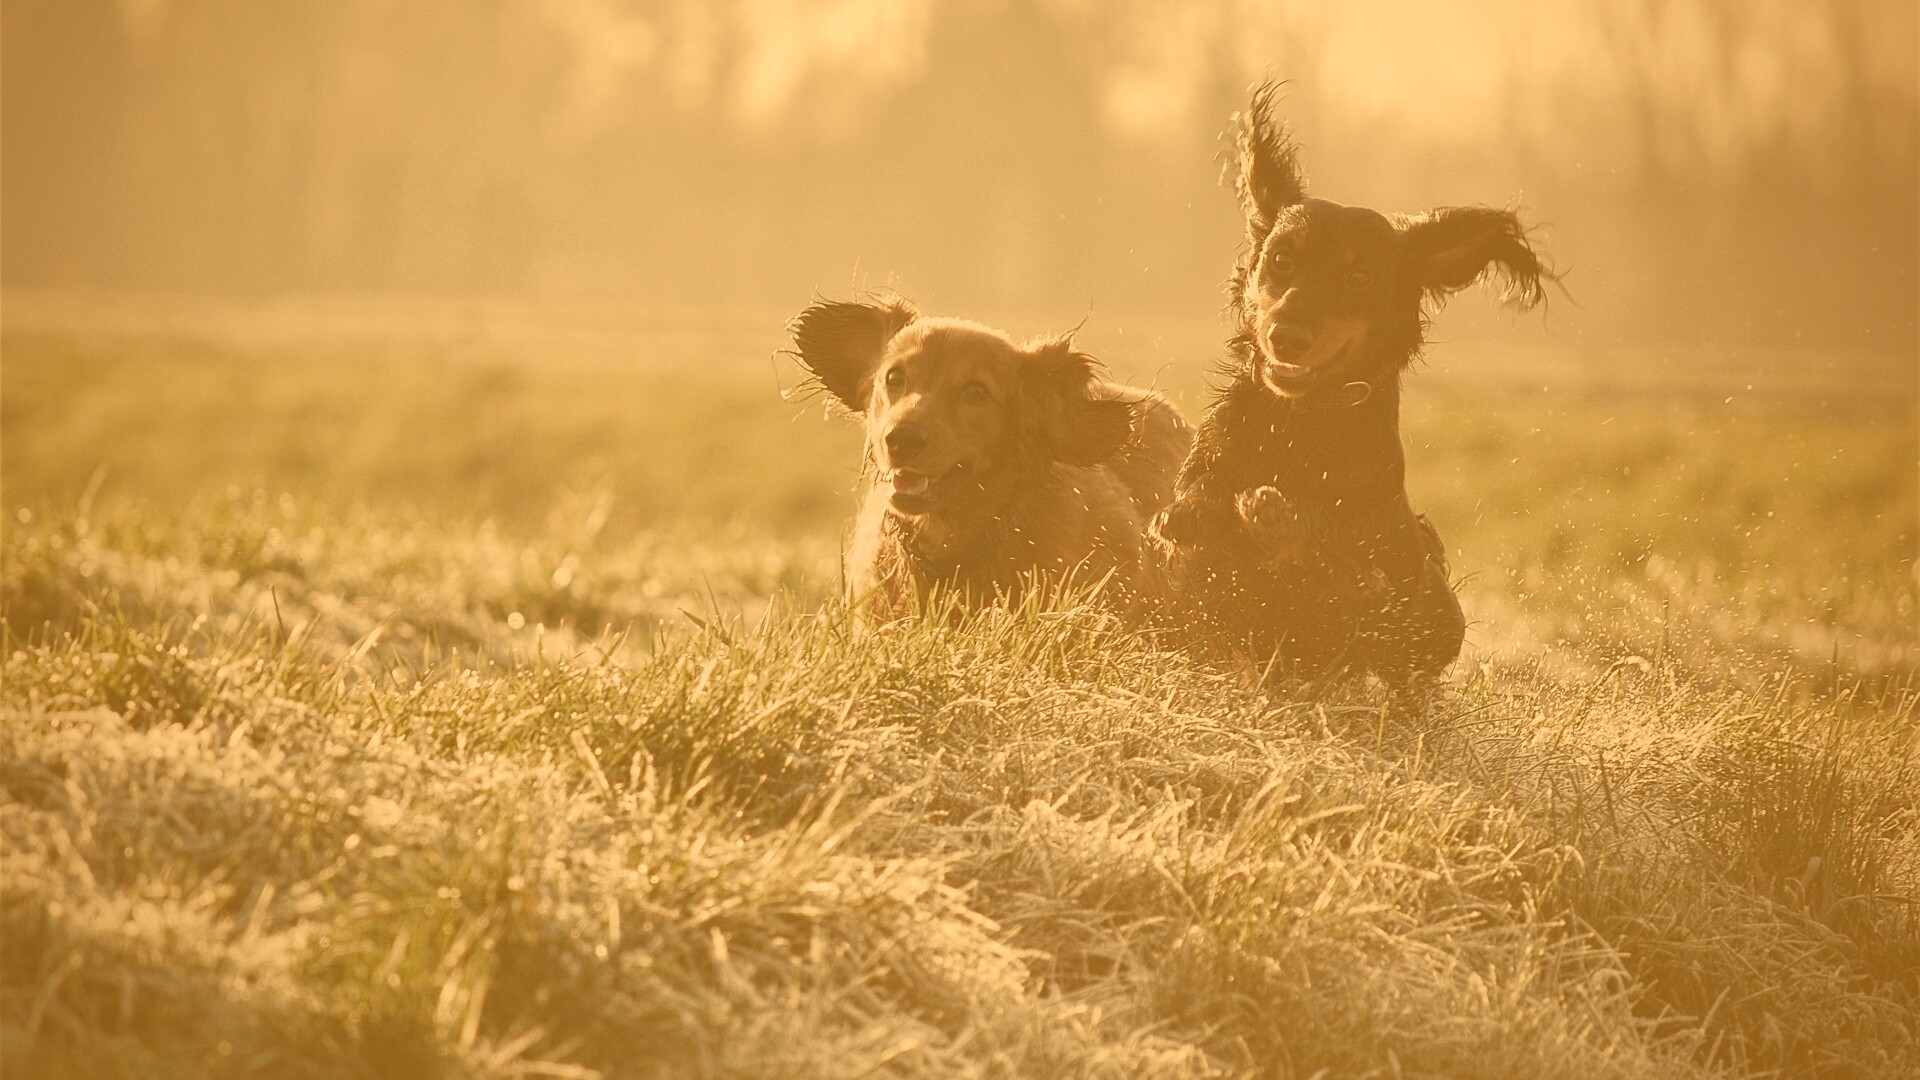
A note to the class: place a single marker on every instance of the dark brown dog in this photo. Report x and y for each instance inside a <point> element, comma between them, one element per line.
<point>1291,537</point>
<point>989,461</point>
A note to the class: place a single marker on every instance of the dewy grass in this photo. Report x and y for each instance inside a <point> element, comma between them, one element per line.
<point>1021,837</point>
<point>308,786</point>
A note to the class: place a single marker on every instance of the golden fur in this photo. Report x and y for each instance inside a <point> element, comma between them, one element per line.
<point>988,461</point>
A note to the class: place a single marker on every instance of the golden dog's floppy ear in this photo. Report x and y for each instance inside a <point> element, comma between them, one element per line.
<point>841,343</point>
<point>1065,418</point>
<point>1451,248</point>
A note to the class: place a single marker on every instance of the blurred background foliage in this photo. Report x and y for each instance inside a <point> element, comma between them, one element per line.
<point>1719,171</point>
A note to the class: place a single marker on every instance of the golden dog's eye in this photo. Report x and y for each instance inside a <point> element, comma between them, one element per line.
<point>1280,262</point>
<point>896,379</point>
<point>1358,278</point>
<point>975,394</point>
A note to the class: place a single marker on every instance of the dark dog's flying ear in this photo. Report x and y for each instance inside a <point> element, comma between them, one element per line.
<point>841,344</point>
<point>1072,424</point>
<point>1270,176</point>
<point>1450,248</point>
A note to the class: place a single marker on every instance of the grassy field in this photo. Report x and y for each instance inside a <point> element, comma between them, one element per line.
<point>428,711</point>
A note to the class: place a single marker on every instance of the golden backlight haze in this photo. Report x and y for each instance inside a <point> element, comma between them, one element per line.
<point>1707,170</point>
<point>433,643</point>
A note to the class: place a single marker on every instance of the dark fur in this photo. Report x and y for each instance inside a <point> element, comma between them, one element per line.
<point>1291,538</point>
<point>1032,463</point>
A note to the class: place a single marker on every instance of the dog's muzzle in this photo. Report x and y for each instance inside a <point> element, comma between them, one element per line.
<point>1294,360</point>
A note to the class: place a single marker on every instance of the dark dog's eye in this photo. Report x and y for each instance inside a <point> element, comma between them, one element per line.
<point>1280,262</point>
<point>1358,278</point>
<point>896,379</point>
<point>975,394</point>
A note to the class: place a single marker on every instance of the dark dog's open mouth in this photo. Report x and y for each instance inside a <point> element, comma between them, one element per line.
<point>1320,364</point>
<point>1281,373</point>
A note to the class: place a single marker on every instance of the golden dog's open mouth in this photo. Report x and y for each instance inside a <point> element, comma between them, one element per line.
<point>913,491</point>
<point>910,483</point>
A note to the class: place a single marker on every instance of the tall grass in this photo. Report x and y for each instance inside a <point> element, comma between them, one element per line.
<point>405,785</point>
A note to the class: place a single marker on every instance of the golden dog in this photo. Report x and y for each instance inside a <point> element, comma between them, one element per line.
<point>990,462</point>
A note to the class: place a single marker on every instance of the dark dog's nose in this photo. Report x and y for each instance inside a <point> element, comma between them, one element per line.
<point>904,441</point>
<point>1287,342</point>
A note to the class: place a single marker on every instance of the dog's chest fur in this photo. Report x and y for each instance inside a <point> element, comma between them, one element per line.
<point>1353,595</point>
<point>1343,462</point>
<point>1067,519</point>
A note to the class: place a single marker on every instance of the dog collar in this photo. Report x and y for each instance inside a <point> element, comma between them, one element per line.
<point>1348,396</point>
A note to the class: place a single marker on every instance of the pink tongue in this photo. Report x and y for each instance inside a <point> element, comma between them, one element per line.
<point>909,483</point>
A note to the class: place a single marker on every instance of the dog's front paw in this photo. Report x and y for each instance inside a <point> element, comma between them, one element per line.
<point>1272,522</point>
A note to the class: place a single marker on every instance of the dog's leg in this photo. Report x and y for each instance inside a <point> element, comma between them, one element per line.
<point>1412,698</point>
<point>1436,625</point>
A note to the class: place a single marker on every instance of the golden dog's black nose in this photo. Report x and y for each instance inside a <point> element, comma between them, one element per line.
<point>904,441</point>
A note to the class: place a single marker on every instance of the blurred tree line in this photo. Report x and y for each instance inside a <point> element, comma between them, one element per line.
<point>1723,170</point>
